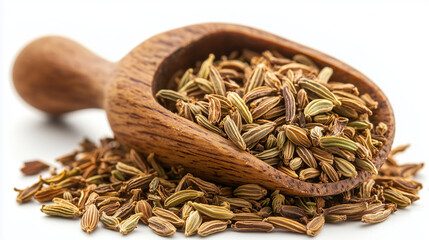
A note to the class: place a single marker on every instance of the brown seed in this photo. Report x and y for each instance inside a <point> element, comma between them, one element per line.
<point>257,133</point>
<point>377,217</point>
<point>286,224</point>
<point>216,79</point>
<point>211,227</point>
<point>308,173</point>
<point>393,196</point>
<point>347,209</point>
<point>26,194</point>
<point>169,216</point>
<point>90,218</point>
<point>33,167</point>
<point>145,209</point>
<point>315,225</point>
<point>330,171</point>
<point>250,192</point>
<point>253,226</point>
<point>334,218</point>
<point>292,212</point>
<point>48,194</point>
<point>307,156</point>
<point>161,226</point>
<point>297,135</point>
<point>60,210</point>
<point>290,106</point>
<point>245,216</point>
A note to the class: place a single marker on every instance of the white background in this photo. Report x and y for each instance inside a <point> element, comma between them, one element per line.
<point>386,40</point>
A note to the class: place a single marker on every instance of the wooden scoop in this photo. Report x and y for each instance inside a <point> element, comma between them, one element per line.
<point>57,75</point>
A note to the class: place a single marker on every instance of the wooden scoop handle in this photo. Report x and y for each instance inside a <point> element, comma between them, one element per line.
<point>58,75</point>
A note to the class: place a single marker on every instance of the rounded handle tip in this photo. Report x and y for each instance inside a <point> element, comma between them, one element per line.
<point>57,75</point>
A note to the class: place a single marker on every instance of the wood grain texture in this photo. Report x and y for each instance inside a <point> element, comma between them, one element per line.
<point>58,75</point>
<point>139,121</point>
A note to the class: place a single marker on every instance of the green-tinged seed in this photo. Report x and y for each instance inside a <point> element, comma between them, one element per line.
<point>295,163</point>
<point>338,142</point>
<point>129,224</point>
<point>205,85</point>
<point>278,199</point>
<point>118,175</point>
<point>236,202</point>
<point>203,121</point>
<point>250,192</point>
<point>256,79</point>
<point>319,90</point>
<point>308,173</point>
<point>335,218</point>
<point>109,222</point>
<point>170,95</point>
<point>345,167</point>
<point>213,211</point>
<point>181,196</point>
<point>281,139</point>
<point>128,169</point>
<point>288,151</point>
<point>396,197</point>
<point>271,142</point>
<point>233,133</point>
<point>216,79</point>
<point>288,171</point>
<point>238,102</point>
<point>257,133</point>
<point>268,154</point>
<point>367,165</point>
<point>187,77</point>
<point>205,67</point>
<point>190,86</point>
<point>245,216</point>
<point>360,125</point>
<point>318,106</point>
<point>325,74</point>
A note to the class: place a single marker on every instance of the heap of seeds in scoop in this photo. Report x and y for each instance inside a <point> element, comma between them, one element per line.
<point>285,112</point>
<point>120,188</point>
